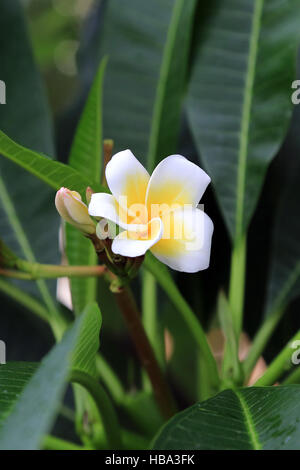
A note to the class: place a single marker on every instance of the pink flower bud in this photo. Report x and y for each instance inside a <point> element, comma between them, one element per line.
<point>71,208</point>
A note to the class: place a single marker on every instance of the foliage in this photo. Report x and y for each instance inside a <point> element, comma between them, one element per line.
<point>210,80</point>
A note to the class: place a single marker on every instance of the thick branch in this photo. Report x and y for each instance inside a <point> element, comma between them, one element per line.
<point>145,352</point>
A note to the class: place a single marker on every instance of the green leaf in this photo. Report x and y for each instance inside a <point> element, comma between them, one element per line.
<point>34,413</point>
<point>86,157</point>
<point>164,130</point>
<point>55,174</point>
<point>248,418</point>
<point>25,116</point>
<point>13,378</point>
<point>171,84</point>
<point>239,102</point>
<point>86,152</point>
<point>80,251</point>
<point>84,356</point>
<point>84,360</point>
<point>135,40</point>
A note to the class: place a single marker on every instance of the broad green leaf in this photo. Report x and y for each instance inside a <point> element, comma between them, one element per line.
<point>171,84</point>
<point>239,102</point>
<point>80,251</point>
<point>34,413</point>
<point>86,157</point>
<point>86,151</point>
<point>242,419</point>
<point>13,378</point>
<point>53,173</point>
<point>135,39</point>
<point>25,208</point>
<point>25,116</point>
<point>84,356</point>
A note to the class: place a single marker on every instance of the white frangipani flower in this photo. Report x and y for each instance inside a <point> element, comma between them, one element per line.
<point>159,212</point>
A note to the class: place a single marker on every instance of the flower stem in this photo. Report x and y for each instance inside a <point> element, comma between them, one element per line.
<point>104,405</point>
<point>32,271</point>
<point>145,352</point>
<point>55,443</point>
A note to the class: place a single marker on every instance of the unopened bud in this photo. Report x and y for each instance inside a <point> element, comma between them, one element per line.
<point>73,210</point>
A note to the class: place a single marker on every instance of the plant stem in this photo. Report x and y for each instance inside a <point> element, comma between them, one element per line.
<point>149,306</point>
<point>237,283</point>
<point>203,385</point>
<point>261,339</point>
<point>145,352</point>
<point>280,364</point>
<point>293,378</point>
<point>165,280</point>
<point>231,366</point>
<point>104,405</point>
<point>33,271</point>
<point>55,443</point>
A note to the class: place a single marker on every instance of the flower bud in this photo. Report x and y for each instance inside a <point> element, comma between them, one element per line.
<point>71,208</point>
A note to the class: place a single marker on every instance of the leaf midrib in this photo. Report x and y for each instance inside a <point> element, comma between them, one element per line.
<point>249,422</point>
<point>246,110</point>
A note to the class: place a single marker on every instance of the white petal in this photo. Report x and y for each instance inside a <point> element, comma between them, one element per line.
<point>186,242</point>
<point>126,177</point>
<point>136,243</point>
<point>177,181</point>
<point>104,205</point>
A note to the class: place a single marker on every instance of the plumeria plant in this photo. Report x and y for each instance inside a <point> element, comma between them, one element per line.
<point>170,281</point>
